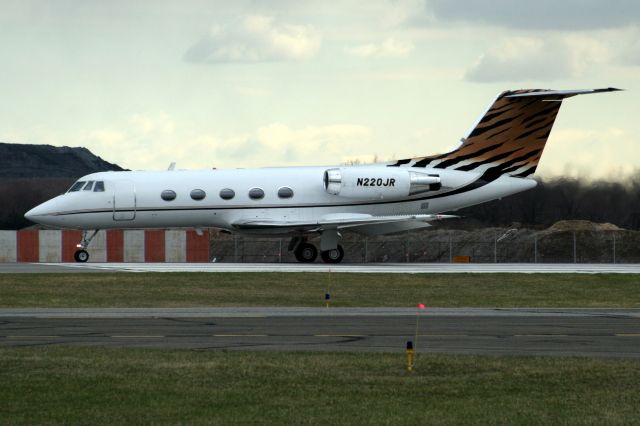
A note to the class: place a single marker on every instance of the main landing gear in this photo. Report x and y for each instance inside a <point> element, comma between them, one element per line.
<point>333,256</point>
<point>307,253</point>
<point>82,255</point>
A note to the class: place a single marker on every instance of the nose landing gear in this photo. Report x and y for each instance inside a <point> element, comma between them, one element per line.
<point>82,255</point>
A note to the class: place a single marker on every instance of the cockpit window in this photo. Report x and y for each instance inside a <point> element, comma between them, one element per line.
<point>88,186</point>
<point>76,186</point>
<point>99,186</point>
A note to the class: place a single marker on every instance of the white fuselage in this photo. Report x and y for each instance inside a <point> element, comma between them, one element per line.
<point>133,199</point>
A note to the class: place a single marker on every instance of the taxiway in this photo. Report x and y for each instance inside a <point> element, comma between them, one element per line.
<point>579,332</point>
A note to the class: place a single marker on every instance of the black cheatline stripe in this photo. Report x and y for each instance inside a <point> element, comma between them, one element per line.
<point>487,177</point>
<point>498,133</point>
<point>532,131</point>
<point>400,162</point>
<point>459,158</point>
<point>469,167</point>
<point>480,130</point>
<point>545,111</point>
<point>529,171</point>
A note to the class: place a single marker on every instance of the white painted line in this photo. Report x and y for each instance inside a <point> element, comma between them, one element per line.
<point>32,337</point>
<point>387,268</point>
<point>136,337</point>
<point>239,335</point>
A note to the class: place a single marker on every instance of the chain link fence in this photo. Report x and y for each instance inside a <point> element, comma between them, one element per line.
<point>442,246</point>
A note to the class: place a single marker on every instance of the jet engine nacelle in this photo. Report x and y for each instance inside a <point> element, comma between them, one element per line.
<point>373,183</point>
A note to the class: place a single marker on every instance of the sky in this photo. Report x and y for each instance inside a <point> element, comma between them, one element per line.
<point>284,82</point>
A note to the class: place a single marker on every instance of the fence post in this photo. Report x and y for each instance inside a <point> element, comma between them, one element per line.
<point>366,248</point>
<point>614,247</point>
<point>280,250</point>
<point>450,249</point>
<point>575,256</point>
<point>535,249</point>
<point>495,247</point>
<point>235,248</point>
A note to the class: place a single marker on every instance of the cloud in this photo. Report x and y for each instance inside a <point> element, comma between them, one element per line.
<point>107,138</point>
<point>333,143</point>
<point>255,39</point>
<point>389,47</point>
<point>587,154</point>
<point>542,59</point>
<point>567,15</point>
<point>629,49</point>
<point>149,141</point>
<point>146,124</point>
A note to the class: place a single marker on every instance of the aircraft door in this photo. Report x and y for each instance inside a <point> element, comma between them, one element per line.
<point>124,200</point>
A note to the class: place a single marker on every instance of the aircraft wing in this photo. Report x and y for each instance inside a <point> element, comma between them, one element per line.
<point>364,223</point>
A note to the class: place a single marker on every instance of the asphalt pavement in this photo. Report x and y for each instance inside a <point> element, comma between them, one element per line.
<point>579,332</point>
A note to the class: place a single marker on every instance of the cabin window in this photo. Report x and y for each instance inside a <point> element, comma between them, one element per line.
<point>168,195</point>
<point>256,193</point>
<point>99,186</point>
<point>227,194</point>
<point>76,186</point>
<point>198,194</point>
<point>285,192</point>
<point>88,186</point>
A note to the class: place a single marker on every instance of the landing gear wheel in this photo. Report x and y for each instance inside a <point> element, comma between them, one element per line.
<point>333,256</point>
<point>81,256</point>
<point>306,253</point>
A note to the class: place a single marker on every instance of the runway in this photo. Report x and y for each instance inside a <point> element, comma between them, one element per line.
<point>387,268</point>
<point>579,332</point>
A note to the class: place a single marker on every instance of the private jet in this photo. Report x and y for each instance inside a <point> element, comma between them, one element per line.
<point>497,158</point>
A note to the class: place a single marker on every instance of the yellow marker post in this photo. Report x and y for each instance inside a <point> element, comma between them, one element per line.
<point>409,355</point>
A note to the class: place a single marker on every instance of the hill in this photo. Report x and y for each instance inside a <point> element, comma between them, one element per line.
<point>39,161</point>
<point>32,174</point>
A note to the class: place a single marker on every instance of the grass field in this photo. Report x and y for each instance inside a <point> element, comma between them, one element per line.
<point>308,289</point>
<point>83,385</point>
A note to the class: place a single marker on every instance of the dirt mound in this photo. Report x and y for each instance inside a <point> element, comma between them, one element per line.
<point>581,225</point>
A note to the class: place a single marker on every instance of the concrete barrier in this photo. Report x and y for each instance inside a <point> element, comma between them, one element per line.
<point>175,246</point>
<point>8,246</point>
<point>157,245</point>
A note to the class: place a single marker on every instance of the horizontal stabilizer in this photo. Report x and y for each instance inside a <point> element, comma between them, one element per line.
<point>558,94</point>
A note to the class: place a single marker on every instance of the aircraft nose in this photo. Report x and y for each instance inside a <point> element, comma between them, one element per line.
<point>33,213</point>
<point>40,212</point>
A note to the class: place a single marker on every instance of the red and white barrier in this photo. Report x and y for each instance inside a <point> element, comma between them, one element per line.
<point>153,245</point>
